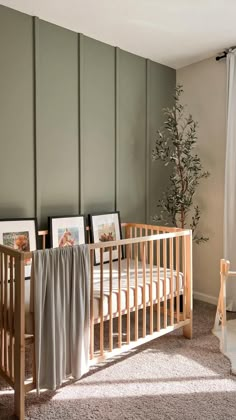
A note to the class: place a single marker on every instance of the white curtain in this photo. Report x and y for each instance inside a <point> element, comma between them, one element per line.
<point>230,179</point>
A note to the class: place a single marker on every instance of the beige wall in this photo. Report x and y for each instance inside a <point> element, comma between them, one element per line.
<point>204,86</point>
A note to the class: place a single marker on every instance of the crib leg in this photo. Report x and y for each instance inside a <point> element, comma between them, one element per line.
<point>19,351</point>
<point>19,395</point>
<point>188,330</point>
<point>19,402</point>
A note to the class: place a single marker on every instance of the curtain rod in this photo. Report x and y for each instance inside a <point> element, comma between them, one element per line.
<point>224,53</point>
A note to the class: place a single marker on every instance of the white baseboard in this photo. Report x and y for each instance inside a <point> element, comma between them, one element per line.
<point>205,298</point>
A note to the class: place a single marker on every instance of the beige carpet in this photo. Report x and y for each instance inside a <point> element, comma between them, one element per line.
<point>169,378</point>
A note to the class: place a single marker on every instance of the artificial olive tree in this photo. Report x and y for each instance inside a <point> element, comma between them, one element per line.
<point>174,146</point>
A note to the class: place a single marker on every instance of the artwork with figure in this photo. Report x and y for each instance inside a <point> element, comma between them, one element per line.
<point>20,234</point>
<point>19,241</point>
<point>68,236</point>
<point>66,231</point>
<point>107,233</point>
<point>106,228</point>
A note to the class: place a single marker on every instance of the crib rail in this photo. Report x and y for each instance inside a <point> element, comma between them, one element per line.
<point>12,322</point>
<point>137,228</point>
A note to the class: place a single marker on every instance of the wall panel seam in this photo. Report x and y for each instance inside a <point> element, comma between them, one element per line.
<point>35,110</point>
<point>148,148</point>
<point>79,124</point>
<point>81,139</point>
<point>116,125</point>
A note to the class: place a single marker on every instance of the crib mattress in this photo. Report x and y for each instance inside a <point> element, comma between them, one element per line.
<point>115,299</point>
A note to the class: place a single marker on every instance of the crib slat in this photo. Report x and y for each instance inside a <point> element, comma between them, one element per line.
<point>1,310</point>
<point>144,287</point>
<point>164,288</point>
<point>43,234</point>
<point>188,286</point>
<point>5,311</point>
<point>128,295</point>
<point>134,236</point>
<point>171,284</point>
<point>140,249</point>
<point>158,286</point>
<point>177,279</point>
<point>101,304</point>
<point>19,328</point>
<point>91,305</point>
<point>128,235</point>
<point>131,247</point>
<point>184,275</point>
<point>134,231</point>
<point>119,299</point>
<point>44,242</point>
<point>136,292</point>
<point>151,284</point>
<point>110,302</point>
<point>11,319</point>
<point>147,249</point>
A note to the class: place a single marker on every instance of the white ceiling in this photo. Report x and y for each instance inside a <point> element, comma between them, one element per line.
<point>171,32</point>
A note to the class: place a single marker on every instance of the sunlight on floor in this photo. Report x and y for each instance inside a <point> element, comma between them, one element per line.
<point>142,388</point>
<point>183,376</point>
<point>7,392</point>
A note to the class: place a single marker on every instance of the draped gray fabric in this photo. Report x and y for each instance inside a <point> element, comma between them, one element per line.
<point>61,310</point>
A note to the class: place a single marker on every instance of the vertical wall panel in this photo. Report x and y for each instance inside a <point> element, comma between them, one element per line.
<point>57,121</point>
<point>131,139</point>
<point>161,82</point>
<point>16,115</point>
<point>97,115</point>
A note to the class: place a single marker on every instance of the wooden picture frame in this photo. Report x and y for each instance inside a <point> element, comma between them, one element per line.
<point>67,231</point>
<point>20,234</point>
<point>105,227</point>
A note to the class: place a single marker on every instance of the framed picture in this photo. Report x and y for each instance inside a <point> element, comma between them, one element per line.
<point>19,234</point>
<point>66,231</point>
<point>105,228</point>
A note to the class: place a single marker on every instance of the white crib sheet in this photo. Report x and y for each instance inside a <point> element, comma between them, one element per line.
<point>106,275</point>
<point>106,289</point>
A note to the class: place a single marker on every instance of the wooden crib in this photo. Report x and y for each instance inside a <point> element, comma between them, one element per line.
<point>153,280</point>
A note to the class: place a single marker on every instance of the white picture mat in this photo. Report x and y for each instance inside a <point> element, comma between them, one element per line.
<point>63,222</point>
<point>11,226</point>
<point>105,219</point>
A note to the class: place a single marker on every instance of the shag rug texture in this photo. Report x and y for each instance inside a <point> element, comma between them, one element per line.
<point>168,378</point>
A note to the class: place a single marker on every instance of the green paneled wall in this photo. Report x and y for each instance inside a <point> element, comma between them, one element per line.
<point>161,81</point>
<point>57,114</point>
<point>131,139</point>
<point>97,73</point>
<point>77,123</point>
<point>16,115</point>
